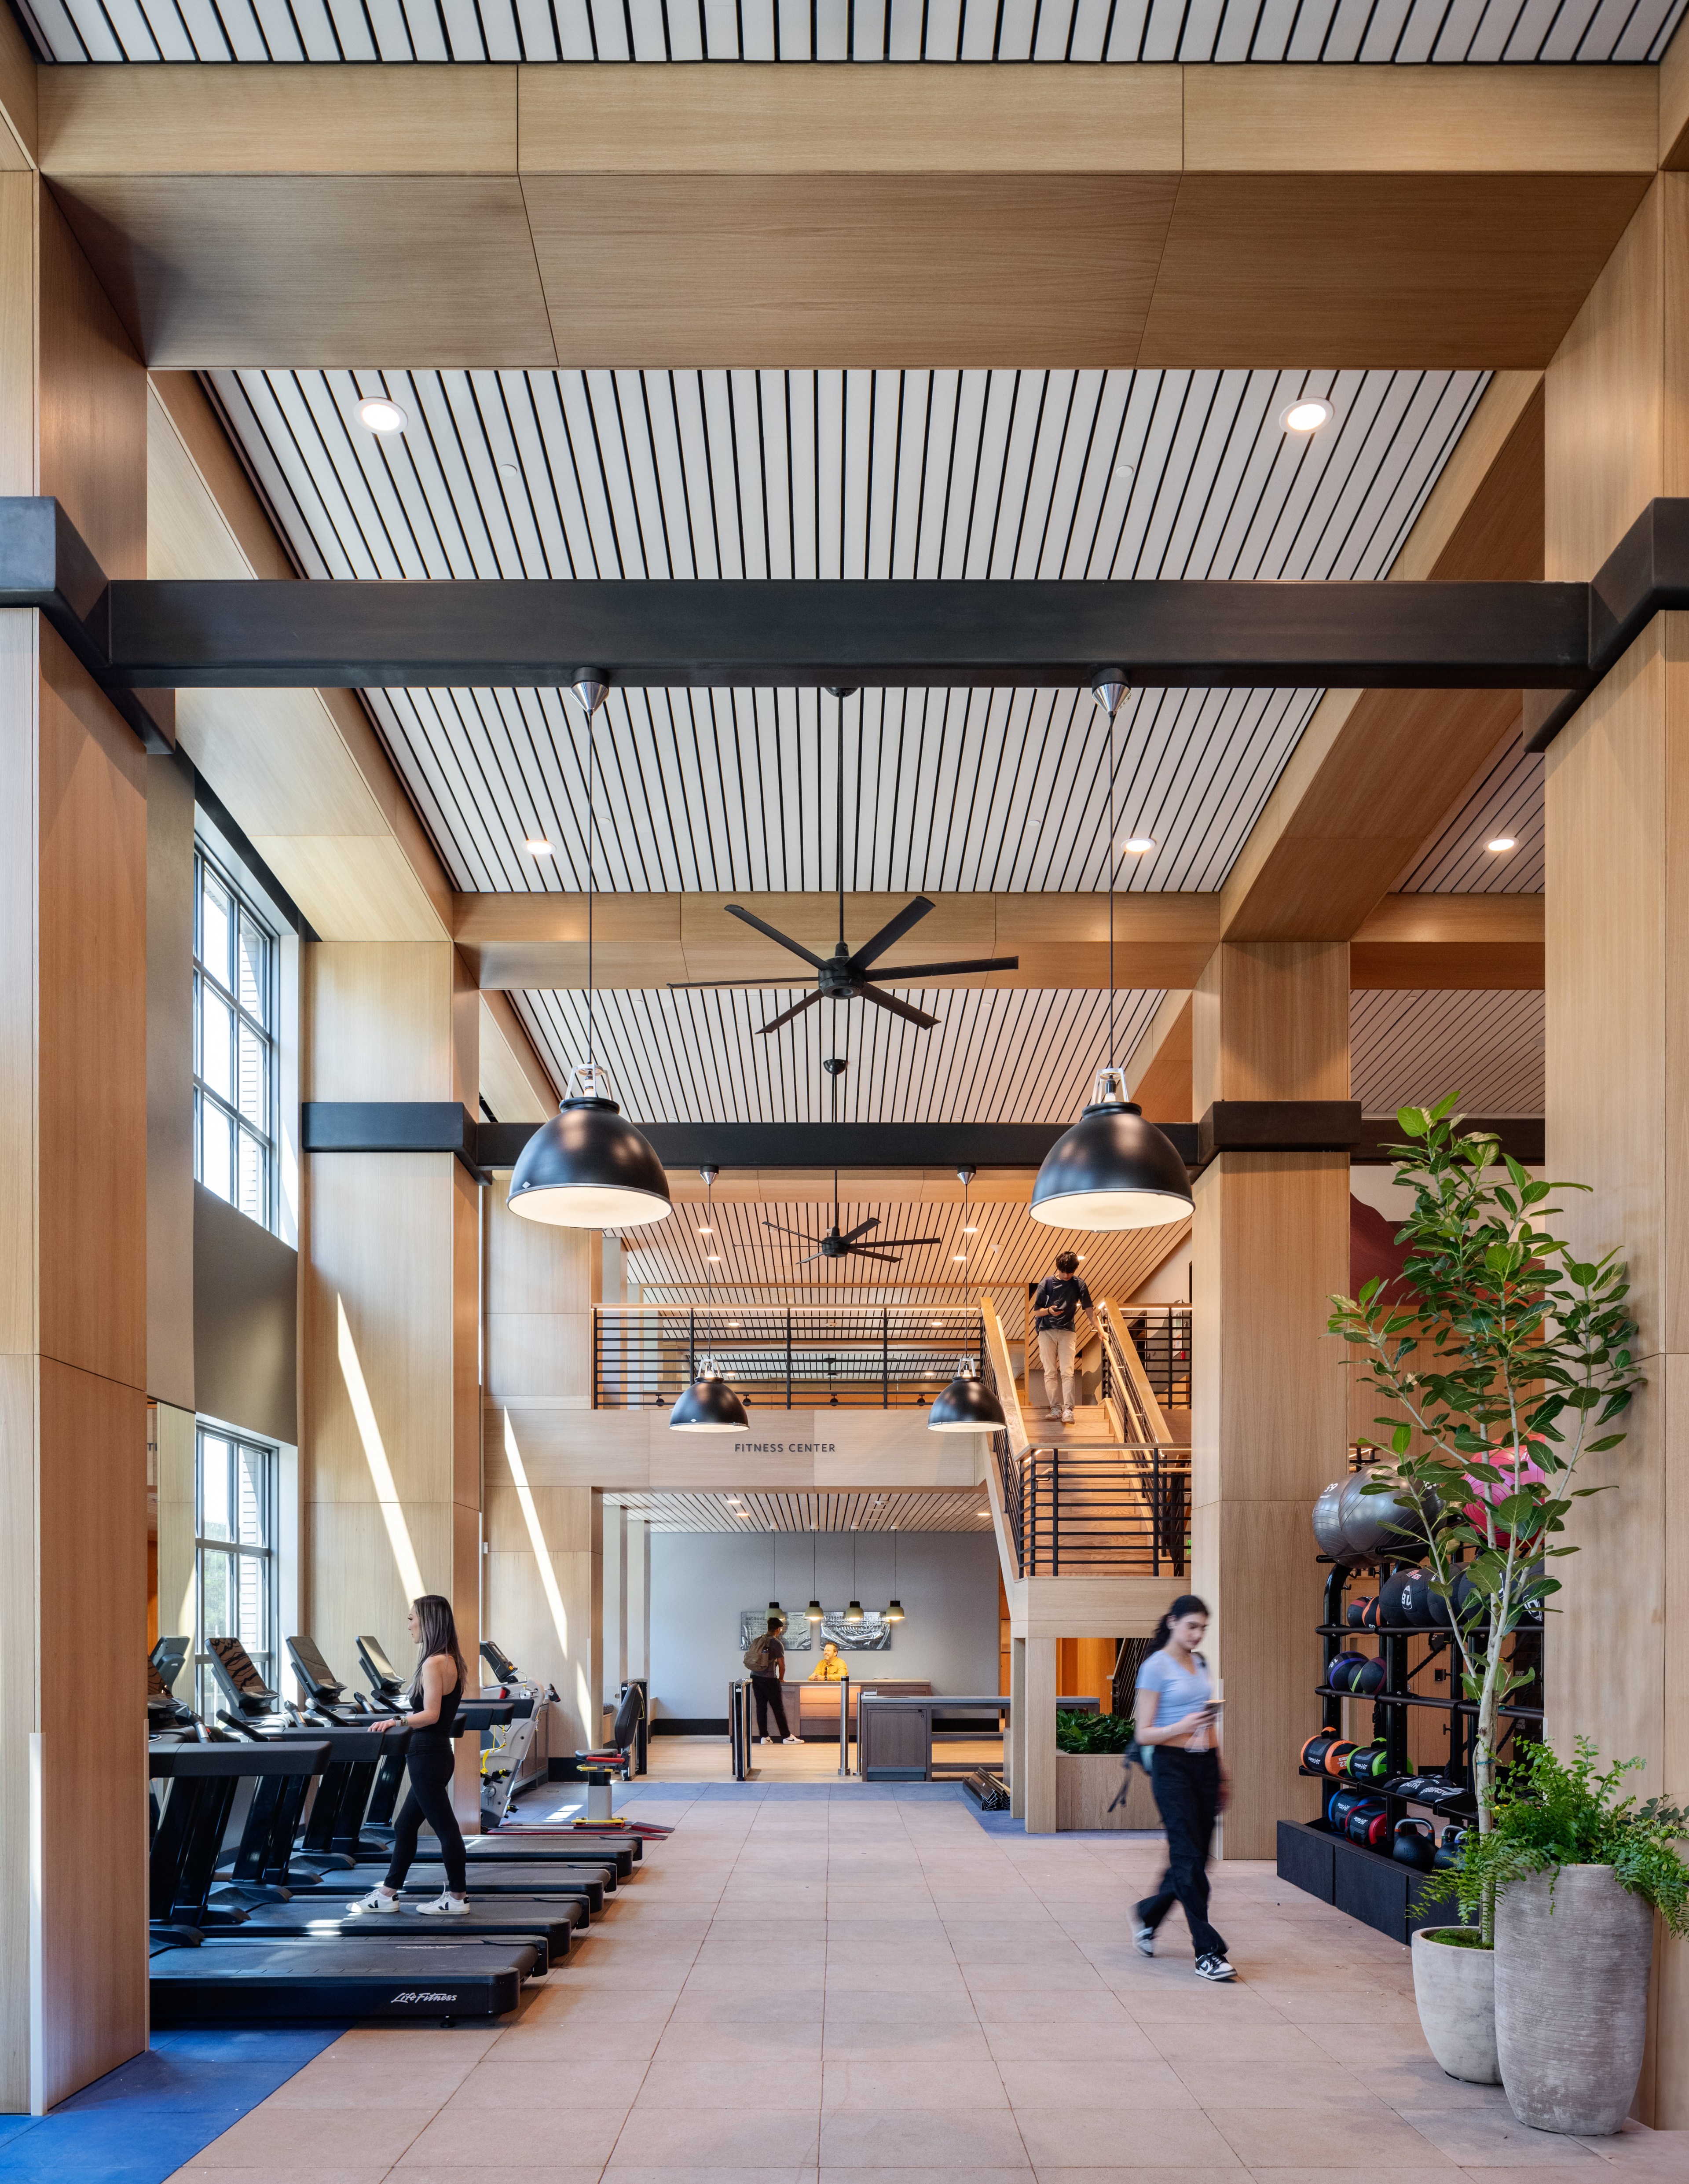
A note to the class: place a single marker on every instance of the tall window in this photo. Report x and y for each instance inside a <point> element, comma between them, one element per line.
<point>235,1554</point>
<point>233,1044</point>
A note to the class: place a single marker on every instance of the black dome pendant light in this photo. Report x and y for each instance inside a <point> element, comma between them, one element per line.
<point>1112,1170</point>
<point>588,1167</point>
<point>967,1405</point>
<point>709,1405</point>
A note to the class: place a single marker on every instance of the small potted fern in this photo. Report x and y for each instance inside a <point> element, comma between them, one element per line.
<point>1576,1871</point>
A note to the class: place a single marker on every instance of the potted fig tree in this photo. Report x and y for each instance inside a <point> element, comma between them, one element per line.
<point>1501,1357</point>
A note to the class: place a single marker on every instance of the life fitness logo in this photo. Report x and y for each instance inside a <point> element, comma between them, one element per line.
<point>419,1994</point>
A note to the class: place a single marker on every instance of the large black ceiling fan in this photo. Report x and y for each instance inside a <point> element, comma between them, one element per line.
<point>845,976</point>
<point>833,1245</point>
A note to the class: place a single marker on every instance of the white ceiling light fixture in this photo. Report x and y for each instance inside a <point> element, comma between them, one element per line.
<point>537,846</point>
<point>1139,845</point>
<point>1307,415</point>
<point>379,414</point>
<point>1501,845</point>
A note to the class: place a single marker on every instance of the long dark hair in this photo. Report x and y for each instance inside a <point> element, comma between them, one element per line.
<point>1186,1604</point>
<point>436,1632</point>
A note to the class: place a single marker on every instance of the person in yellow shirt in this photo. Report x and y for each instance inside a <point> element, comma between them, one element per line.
<point>829,1670</point>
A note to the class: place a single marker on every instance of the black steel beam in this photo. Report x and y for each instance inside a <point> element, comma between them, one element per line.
<point>733,635</point>
<point>393,1126</point>
<point>1278,1126</point>
<point>1646,574</point>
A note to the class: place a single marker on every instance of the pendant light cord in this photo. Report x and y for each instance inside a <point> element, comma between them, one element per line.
<point>591,840</point>
<point>838,820</point>
<point>1111,890</point>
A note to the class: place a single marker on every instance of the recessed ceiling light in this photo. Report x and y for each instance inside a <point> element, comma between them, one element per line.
<point>381,415</point>
<point>960,1258</point>
<point>972,1229</point>
<point>1501,842</point>
<point>714,1259</point>
<point>1125,473</point>
<point>537,846</point>
<point>705,1232</point>
<point>510,470</point>
<point>1139,845</point>
<point>1307,415</point>
<point>982,1513</point>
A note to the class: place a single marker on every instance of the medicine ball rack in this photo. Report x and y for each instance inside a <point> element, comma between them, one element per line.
<point>1369,1884</point>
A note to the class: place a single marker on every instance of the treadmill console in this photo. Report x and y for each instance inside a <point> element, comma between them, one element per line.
<point>319,1681</point>
<point>247,1692</point>
<point>504,1669</point>
<point>165,1712</point>
<point>384,1678</point>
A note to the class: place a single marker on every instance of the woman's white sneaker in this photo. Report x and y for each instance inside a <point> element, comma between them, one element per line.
<point>447,1906</point>
<point>377,1900</point>
<point>1212,1967</point>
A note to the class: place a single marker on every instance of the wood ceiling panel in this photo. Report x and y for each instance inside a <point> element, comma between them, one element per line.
<point>210,270</point>
<point>1409,1050</point>
<point>946,1509</point>
<point>1383,267</point>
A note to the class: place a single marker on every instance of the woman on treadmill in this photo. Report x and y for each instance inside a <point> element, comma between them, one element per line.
<point>441,1678</point>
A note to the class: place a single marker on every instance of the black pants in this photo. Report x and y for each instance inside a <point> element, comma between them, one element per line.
<point>768,1693</point>
<point>429,1797</point>
<point>1186,1786</point>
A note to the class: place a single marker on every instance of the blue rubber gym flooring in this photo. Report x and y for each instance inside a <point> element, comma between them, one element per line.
<point>140,2122</point>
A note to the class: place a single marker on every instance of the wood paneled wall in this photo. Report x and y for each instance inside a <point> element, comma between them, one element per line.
<point>73,1216</point>
<point>1618,1060</point>
<point>390,1436</point>
<point>1269,1401</point>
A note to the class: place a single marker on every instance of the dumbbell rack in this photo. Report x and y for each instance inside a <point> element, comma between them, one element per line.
<point>1370,1884</point>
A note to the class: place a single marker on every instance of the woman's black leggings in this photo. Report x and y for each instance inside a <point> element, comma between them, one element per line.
<point>429,1797</point>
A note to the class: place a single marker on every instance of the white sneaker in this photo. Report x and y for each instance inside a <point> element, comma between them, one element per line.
<point>445,1905</point>
<point>377,1900</point>
<point>1067,1417</point>
<point>1055,1415</point>
<point>1212,1967</point>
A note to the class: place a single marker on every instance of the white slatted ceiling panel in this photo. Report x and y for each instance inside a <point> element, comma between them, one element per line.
<point>669,1258</point>
<point>1409,1050</point>
<point>829,475</point>
<point>1506,804</point>
<point>1117,31</point>
<point>962,1510</point>
<point>995,1055</point>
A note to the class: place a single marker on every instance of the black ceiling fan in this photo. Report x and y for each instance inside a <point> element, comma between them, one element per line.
<point>833,1245</point>
<point>845,976</point>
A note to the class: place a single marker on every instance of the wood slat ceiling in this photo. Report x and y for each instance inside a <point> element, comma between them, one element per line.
<point>1410,1049</point>
<point>942,1510</point>
<point>670,1259</point>
<point>1002,474</point>
<point>1119,30</point>
<point>1507,803</point>
<point>997,1055</point>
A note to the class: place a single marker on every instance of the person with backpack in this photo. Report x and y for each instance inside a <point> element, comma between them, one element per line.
<point>1178,1724</point>
<point>765,1658</point>
<point>1056,1303</point>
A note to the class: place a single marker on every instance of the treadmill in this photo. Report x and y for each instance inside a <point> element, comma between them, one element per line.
<point>396,1978</point>
<point>619,1852</point>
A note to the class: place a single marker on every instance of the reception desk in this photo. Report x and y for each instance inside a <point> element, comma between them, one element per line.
<point>817,1711</point>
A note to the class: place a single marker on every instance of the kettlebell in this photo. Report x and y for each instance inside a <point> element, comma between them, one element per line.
<point>1368,1677</point>
<point>1415,1843</point>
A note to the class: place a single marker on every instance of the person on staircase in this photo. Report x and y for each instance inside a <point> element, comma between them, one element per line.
<point>1056,1305</point>
<point>1178,1723</point>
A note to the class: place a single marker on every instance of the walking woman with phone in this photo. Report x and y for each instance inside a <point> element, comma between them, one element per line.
<point>1178,1723</point>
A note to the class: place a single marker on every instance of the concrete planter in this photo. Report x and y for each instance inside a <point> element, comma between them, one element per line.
<point>1455,1989</point>
<point>1571,1999</point>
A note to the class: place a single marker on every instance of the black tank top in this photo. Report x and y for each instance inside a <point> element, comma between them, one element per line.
<point>437,1736</point>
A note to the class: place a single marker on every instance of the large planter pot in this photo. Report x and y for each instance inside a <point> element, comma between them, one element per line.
<point>1087,1785</point>
<point>1455,1989</point>
<point>1572,1955</point>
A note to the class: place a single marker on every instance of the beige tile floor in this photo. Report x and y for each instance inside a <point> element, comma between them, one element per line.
<point>799,1991</point>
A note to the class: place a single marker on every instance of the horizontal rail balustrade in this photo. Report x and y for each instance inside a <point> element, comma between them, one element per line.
<point>1088,1509</point>
<point>781,1356</point>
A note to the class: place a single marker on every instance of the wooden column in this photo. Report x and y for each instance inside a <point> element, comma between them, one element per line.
<point>1014,1751</point>
<point>1617,1657</point>
<point>391,1434</point>
<point>73,1212</point>
<point>638,1596</point>
<point>1269,1417</point>
<point>1035,1748</point>
<point>614,1648</point>
<point>545,1521</point>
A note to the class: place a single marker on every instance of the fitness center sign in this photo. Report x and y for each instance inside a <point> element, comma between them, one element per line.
<point>785,1448</point>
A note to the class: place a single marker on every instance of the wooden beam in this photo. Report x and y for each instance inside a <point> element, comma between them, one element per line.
<point>1674,102</point>
<point>693,215</point>
<point>1377,772</point>
<point>18,76</point>
<point>1160,1068</point>
<point>538,942</point>
<point>303,772</point>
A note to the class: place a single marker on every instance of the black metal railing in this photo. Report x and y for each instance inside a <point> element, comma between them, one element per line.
<point>782,1356</point>
<point>1161,1335</point>
<point>1088,1508</point>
